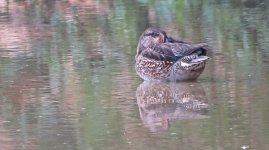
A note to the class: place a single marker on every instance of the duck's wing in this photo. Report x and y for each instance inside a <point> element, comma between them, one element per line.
<point>184,49</point>
<point>187,52</point>
<point>159,52</point>
<point>174,51</point>
<point>172,40</point>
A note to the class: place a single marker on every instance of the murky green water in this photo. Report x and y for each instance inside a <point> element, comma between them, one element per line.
<point>67,79</point>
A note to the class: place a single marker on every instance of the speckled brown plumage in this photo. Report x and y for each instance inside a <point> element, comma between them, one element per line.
<point>161,58</point>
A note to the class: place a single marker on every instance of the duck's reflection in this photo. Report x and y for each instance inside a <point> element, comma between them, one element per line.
<point>161,103</point>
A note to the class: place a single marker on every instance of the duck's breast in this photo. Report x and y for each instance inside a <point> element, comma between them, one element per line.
<point>151,70</point>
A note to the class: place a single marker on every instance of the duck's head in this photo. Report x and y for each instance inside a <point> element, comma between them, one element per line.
<point>155,35</point>
<point>150,37</point>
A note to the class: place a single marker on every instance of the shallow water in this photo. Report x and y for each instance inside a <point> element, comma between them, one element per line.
<point>67,78</point>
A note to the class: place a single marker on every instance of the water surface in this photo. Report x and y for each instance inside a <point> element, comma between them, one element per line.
<point>67,78</point>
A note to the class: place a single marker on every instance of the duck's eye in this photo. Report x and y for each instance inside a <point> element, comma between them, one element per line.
<point>154,34</point>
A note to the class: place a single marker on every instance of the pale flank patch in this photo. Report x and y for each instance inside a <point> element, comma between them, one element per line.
<point>199,59</point>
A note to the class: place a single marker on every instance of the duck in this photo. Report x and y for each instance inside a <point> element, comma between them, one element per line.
<point>160,57</point>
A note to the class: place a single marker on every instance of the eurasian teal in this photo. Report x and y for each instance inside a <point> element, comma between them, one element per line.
<point>161,58</point>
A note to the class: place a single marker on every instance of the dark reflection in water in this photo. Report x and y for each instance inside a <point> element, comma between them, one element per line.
<point>161,103</point>
<point>67,78</point>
